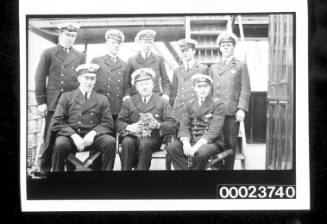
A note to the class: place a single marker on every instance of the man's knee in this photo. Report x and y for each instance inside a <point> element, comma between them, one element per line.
<point>108,143</point>
<point>62,145</point>
<point>127,141</point>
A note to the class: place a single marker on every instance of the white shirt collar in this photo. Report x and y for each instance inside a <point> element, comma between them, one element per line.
<point>189,63</point>
<point>145,55</point>
<point>228,59</point>
<point>146,98</point>
<point>112,56</point>
<point>83,93</point>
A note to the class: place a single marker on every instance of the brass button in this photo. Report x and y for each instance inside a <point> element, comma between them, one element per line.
<point>61,90</point>
<point>91,122</point>
<point>62,75</point>
<point>62,82</point>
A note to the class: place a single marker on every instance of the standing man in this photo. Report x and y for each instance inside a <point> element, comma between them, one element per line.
<point>83,121</point>
<point>130,127</point>
<point>112,79</point>
<point>55,75</point>
<point>182,83</point>
<point>147,59</point>
<point>200,130</point>
<point>232,86</point>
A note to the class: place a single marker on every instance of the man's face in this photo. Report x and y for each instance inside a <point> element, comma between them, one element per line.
<point>113,46</point>
<point>202,89</point>
<point>227,49</point>
<point>87,81</point>
<point>144,87</point>
<point>145,45</point>
<point>67,38</point>
<point>188,53</point>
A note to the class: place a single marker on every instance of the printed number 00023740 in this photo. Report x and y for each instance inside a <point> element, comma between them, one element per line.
<point>256,192</point>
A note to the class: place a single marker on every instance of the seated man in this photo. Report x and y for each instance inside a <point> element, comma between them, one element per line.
<point>200,129</point>
<point>82,121</point>
<point>142,121</point>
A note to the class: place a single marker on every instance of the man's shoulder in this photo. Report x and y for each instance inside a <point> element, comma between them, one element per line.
<point>77,51</point>
<point>100,97</point>
<point>98,59</point>
<point>68,95</point>
<point>133,57</point>
<point>121,61</point>
<point>50,50</point>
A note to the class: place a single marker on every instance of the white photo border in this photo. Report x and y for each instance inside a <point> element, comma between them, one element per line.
<point>74,7</point>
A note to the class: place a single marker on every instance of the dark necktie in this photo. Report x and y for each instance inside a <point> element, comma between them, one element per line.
<point>86,96</point>
<point>144,100</point>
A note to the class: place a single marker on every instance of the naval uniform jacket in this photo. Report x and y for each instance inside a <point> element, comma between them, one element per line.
<point>111,80</point>
<point>56,68</point>
<point>231,84</point>
<point>155,62</point>
<point>75,114</point>
<point>183,86</point>
<point>205,121</point>
<point>157,106</point>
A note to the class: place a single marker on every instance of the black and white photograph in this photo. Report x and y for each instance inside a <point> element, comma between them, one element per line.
<point>156,105</point>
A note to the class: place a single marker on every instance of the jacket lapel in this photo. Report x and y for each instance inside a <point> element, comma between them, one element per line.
<point>113,65</point>
<point>91,102</point>
<point>205,105</point>
<point>192,71</point>
<point>60,54</point>
<point>140,59</point>
<point>79,98</point>
<point>151,58</point>
<point>196,106</point>
<point>70,57</point>
<point>138,103</point>
<point>150,104</point>
<point>223,68</point>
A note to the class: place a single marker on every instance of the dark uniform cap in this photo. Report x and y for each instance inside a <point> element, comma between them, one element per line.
<point>115,34</point>
<point>142,74</point>
<point>145,35</point>
<point>225,37</point>
<point>187,43</point>
<point>71,27</point>
<point>87,68</point>
<point>196,78</point>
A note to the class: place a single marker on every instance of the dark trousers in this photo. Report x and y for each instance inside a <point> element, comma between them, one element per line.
<point>143,148</point>
<point>48,140</point>
<point>199,161</point>
<point>65,145</point>
<point>231,129</point>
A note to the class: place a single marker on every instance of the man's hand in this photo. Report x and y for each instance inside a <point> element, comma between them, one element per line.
<point>187,148</point>
<point>197,145</point>
<point>134,128</point>
<point>154,125</point>
<point>165,97</point>
<point>240,115</point>
<point>78,141</point>
<point>125,98</point>
<point>89,138</point>
<point>42,109</point>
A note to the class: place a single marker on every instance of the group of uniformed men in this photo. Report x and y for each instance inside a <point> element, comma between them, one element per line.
<point>86,104</point>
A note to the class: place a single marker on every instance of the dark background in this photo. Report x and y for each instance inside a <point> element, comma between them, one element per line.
<point>9,139</point>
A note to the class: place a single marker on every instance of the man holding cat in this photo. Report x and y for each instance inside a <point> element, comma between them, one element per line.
<point>139,137</point>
